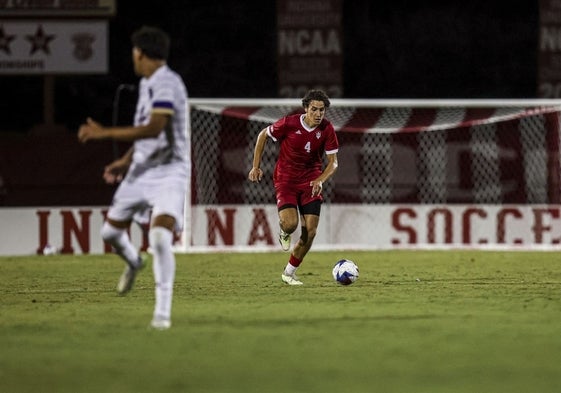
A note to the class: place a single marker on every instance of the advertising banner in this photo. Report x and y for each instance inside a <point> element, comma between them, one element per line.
<point>52,47</point>
<point>309,47</point>
<point>76,230</point>
<point>549,49</point>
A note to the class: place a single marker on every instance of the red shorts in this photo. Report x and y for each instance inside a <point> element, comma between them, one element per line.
<point>295,194</point>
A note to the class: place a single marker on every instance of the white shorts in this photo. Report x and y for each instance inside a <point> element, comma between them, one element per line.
<point>161,189</point>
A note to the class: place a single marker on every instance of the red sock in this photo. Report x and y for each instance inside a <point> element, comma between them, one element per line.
<point>294,261</point>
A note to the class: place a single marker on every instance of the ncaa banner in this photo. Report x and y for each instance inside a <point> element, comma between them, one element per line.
<point>49,47</point>
<point>310,47</point>
<point>549,49</point>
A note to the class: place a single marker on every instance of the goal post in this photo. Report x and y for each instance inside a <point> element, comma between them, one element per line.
<point>412,173</point>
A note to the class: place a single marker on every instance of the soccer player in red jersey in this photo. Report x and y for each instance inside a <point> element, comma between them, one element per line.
<point>299,173</point>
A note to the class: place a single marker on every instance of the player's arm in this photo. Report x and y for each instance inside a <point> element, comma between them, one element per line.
<point>92,130</point>
<point>115,171</point>
<point>256,173</point>
<point>329,170</point>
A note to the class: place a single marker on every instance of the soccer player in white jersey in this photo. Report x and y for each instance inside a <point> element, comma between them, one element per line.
<point>154,173</point>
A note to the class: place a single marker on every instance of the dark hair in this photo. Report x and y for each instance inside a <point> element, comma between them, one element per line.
<point>152,41</point>
<point>315,95</point>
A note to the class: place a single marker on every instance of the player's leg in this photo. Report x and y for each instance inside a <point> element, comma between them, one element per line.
<point>288,222</point>
<point>161,242</point>
<point>115,232</point>
<point>310,224</point>
<point>309,221</point>
<point>287,202</point>
<point>168,216</point>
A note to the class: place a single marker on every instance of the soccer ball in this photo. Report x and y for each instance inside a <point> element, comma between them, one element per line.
<point>345,272</point>
<point>50,250</point>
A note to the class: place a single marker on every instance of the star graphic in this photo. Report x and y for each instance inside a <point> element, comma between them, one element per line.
<point>5,40</point>
<point>39,41</point>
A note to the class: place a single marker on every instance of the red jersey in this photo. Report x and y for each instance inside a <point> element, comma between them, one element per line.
<point>301,148</point>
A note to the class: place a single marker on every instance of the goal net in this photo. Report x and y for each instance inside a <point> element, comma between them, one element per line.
<point>408,172</point>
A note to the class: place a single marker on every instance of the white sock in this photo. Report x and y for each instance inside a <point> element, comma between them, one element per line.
<point>289,270</point>
<point>121,243</point>
<point>164,270</point>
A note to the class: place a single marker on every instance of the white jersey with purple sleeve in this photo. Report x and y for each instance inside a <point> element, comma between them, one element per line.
<point>160,172</point>
<point>163,92</point>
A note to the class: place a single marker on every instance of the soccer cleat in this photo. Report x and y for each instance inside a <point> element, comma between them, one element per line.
<point>291,280</point>
<point>284,239</point>
<point>126,280</point>
<point>160,324</point>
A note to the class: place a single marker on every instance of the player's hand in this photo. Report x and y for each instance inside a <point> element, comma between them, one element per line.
<point>115,171</point>
<point>255,175</point>
<point>90,130</point>
<point>317,187</point>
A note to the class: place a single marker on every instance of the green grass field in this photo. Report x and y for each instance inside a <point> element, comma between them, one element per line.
<point>415,321</point>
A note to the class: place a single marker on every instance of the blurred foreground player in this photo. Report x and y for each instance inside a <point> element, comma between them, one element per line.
<point>154,173</point>
<point>299,173</point>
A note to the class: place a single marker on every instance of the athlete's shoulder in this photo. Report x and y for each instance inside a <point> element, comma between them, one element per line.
<point>287,121</point>
<point>292,120</point>
<point>165,75</point>
<point>167,80</point>
<point>171,74</point>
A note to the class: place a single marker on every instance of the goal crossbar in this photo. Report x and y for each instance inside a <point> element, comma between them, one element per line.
<point>383,103</point>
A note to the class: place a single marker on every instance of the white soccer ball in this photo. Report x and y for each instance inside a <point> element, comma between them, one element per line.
<point>345,272</point>
<point>50,250</point>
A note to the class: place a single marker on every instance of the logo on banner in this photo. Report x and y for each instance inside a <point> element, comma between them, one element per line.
<point>83,46</point>
<point>5,40</point>
<point>40,41</point>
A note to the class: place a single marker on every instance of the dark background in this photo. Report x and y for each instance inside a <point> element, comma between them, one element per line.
<point>392,49</point>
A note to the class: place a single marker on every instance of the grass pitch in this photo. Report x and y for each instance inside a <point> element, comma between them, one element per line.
<point>415,321</point>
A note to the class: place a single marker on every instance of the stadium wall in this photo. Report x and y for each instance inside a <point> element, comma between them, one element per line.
<point>75,230</point>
